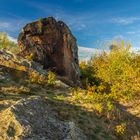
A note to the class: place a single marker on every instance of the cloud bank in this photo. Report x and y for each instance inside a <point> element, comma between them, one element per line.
<point>85,54</point>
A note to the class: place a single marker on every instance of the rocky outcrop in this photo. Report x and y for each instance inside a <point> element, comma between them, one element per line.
<point>32,119</point>
<point>13,61</point>
<point>16,68</point>
<point>52,44</point>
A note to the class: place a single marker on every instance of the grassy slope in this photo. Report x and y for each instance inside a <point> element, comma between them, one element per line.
<point>70,105</point>
<point>121,121</point>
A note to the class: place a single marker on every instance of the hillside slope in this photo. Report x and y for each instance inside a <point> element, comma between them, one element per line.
<point>22,79</point>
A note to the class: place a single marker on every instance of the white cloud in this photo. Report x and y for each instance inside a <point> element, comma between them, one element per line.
<point>125,20</point>
<point>135,32</point>
<point>12,25</point>
<point>86,53</point>
<point>135,50</point>
<point>131,32</point>
<point>4,25</point>
<point>12,39</point>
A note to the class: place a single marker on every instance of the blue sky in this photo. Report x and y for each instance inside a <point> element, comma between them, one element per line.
<point>94,22</point>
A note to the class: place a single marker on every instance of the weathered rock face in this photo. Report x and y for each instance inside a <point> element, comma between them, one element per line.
<point>32,119</point>
<point>13,67</point>
<point>52,45</point>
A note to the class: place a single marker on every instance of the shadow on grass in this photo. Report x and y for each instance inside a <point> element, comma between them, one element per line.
<point>96,126</point>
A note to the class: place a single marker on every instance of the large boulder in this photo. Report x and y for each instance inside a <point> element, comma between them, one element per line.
<point>32,119</point>
<point>51,44</point>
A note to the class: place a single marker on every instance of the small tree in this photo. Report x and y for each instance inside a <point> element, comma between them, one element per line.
<point>6,43</point>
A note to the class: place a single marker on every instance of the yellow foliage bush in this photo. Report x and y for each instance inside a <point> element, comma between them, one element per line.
<point>116,72</point>
<point>36,77</point>
<point>98,107</point>
<point>29,57</point>
<point>120,129</point>
<point>51,78</point>
<point>6,43</point>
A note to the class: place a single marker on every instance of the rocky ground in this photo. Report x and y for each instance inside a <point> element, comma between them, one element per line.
<point>32,118</point>
<point>30,109</point>
<point>24,104</point>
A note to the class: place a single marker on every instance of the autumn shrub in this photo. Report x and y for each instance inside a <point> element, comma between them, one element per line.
<point>120,129</point>
<point>29,57</point>
<point>38,78</point>
<point>7,44</point>
<point>35,77</point>
<point>116,72</point>
<point>51,78</point>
